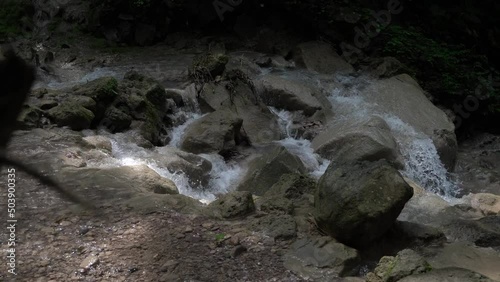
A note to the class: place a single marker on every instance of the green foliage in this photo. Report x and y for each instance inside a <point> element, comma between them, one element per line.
<point>110,88</point>
<point>140,3</point>
<point>219,237</point>
<point>12,15</point>
<point>448,70</point>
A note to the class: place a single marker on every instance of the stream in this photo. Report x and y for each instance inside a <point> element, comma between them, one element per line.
<point>422,163</point>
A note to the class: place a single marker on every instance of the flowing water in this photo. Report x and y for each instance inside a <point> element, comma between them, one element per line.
<point>422,163</point>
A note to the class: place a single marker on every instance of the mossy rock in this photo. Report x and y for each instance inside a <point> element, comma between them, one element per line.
<point>71,113</point>
<point>209,64</point>
<point>102,90</point>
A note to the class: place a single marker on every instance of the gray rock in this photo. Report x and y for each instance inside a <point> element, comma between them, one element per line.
<point>275,204</point>
<point>277,226</point>
<point>320,57</point>
<point>216,132</point>
<point>321,259</point>
<point>116,120</point>
<point>234,204</point>
<point>447,274</point>
<point>264,171</point>
<point>357,203</point>
<point>73,115</point>
<point>287,94</point>
<point>465,255</point>
<point>29,117</point>
<point>196,168</point>
<point>292,186</point>
<point>99,142</point>
<point>365,140</point>
<point>259,124</point>
<point>391,269</point>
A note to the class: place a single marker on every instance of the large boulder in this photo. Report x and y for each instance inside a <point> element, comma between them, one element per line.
<point>357,203</point>
<point>71,114</point>
<point>358,140</point>
<point>288,94</point>
<point>320,57</point>
<point>259,124</point>
<point>402,97</point>
<point>264,171</point>
<point>216,132</point>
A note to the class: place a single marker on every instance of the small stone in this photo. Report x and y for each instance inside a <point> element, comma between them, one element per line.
<point>88,263</point>
<point>238,250</point>
<point>169,266</point>
<point>188,229</point>
<point>180,236</point>
<point>207,225</point>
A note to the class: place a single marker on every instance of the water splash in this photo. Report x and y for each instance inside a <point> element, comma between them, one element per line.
<point>315,165</point>
<point>422,162</point>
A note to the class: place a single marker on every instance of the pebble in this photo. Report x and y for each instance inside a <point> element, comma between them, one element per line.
<point>88,263</point>
<point>238,250</point>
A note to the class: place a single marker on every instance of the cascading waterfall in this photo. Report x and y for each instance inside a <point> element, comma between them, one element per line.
<point>298,146</point>
<point>422,162</point>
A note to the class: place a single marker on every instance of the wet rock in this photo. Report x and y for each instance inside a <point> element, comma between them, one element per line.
<point>391,269</point>
<point>196,168</point>
<point>366,140</point>
<point>358,203</point>
<point>289,95</point>
<point>99,142</point>
<point>216,132</point>
<point>320,57</point>
<point>234,204</point>
<point>321,258</point>
<point>402,97</point>
<point>259,124</point>
<point>266,170</point>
